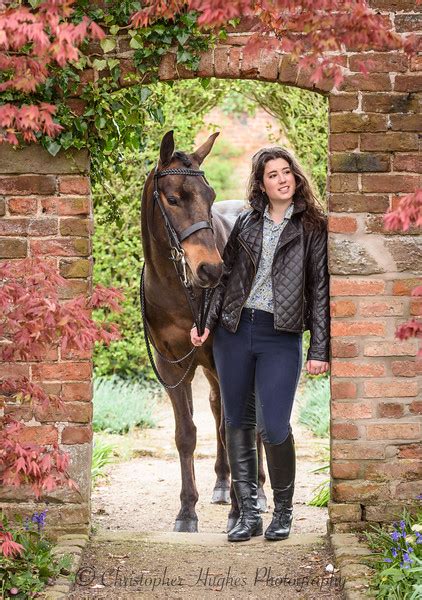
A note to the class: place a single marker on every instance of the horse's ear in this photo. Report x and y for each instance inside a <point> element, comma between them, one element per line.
<point>166,149</point>
<point>203,151</point>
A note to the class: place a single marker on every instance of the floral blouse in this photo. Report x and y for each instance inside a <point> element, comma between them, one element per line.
<point>261,294</point>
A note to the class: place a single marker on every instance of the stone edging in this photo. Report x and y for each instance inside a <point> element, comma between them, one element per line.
<point>71,543</point>
<point>351,557</point>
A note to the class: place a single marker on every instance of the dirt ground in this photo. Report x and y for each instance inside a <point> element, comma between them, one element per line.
<point>134,554</point>
<point>142,494</point>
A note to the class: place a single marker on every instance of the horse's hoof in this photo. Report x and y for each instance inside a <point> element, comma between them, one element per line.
<point>186,525</point>
<point>262,501</point>
<point>231,522</point>
<point>221,496</point>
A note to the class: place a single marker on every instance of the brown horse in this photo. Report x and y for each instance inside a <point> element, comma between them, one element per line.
<point>187,200</point>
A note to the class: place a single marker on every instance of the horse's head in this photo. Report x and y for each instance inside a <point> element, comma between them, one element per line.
<point>187,200</point>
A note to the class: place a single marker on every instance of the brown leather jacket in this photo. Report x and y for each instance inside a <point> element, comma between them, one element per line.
<point>299,277</point>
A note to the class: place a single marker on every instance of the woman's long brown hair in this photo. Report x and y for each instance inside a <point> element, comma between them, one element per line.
<point>313,216</point>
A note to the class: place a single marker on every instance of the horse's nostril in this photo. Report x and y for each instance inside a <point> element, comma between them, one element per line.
<point>209,273</point>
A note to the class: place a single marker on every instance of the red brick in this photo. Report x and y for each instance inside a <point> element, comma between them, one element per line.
<point>72,289</point>
<point>406,122</point>
<point>357,451</point>
<point>342,224</point>
<point>288,70</point>
<point>233,66</point>
<point>74,185</point>
<point>343,308</point>
<point>371,82</point>
<point>250,61</point>
<point>167,68</point>
<point>390,389</point>
<point>381,62</point>
<point>416,407</point>
<point>410,451</point>
<point>402,469</point>
<point>390,141</point>
<point>42,434</point>
<point>390,409</point>
<point>381,309</point>
<point>344,431</point>
<point>375,224</point>
<point>351,410</point>
<point>389,103</point>
<point>410,22</point>
<point>22,206</point>
<point>391,348</point>
<point>343,389</point>
<point>349,470</point>
<point>65,371</point>
<point>22,185</point>
<point>340,286</point>
<point>416,63</point>
<point>383,182</point>
<point>408,83</point>
<point>12,248</point>
<point>24,227</point>
<point>349,123</point>
<point>404,287</point>
<point>61,247</point>
<point>403,368</point>
<point>80,392</point>
<point>342,349</point>
<point>339,142</point>
<point>76,435</point>
<point>77,106</point>
<point>358,203</point>
<point>343,182</point>
<point>343,102</point>
<point>72,268</point>
<point>66,206</point>
<point>76,227</point>
<point>221,59</point>
<point>351,369</point>
<point>393,431</point>
<point>365,328</point>
<point>72,412</point>
<point>14,370</point>
<point>76,354</point>
<point>359,490</point>
<point>408,162</point>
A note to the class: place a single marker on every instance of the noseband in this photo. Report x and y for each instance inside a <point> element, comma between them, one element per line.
<point>178,257</point>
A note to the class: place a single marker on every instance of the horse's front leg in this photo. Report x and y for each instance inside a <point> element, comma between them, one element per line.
<point>185,437</point>
<point>221,491</point>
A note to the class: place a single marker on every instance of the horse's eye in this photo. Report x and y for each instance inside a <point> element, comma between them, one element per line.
<point>172,200</point>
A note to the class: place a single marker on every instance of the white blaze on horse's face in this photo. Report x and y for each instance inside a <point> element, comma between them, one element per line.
<point>188,200</point>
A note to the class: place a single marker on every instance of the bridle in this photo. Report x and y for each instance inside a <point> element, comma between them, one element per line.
<point>177,255</point>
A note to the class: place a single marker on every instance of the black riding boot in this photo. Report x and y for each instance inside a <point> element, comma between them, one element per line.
<point>243,460</point>
<point>281,460</point>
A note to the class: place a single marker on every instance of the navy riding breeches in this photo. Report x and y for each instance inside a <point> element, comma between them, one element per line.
<point>258,358</point>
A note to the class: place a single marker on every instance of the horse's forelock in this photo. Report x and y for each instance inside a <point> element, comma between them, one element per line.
<point>184,158</point>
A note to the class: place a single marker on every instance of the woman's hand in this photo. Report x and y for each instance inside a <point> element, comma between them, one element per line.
<point>196,339</point>
<point>316,367</point>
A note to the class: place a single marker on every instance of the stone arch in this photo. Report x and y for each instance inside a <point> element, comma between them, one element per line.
<point>373,158</point>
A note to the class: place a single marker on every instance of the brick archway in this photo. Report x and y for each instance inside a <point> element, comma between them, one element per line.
<point>373,158</point>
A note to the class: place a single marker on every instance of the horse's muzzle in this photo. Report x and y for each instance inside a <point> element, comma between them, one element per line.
<point>209,274</point>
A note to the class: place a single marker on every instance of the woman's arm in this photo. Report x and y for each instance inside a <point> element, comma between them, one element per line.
<point>318,297</point>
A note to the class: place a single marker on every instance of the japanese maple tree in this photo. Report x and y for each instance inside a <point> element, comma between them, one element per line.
<point>33,320</point>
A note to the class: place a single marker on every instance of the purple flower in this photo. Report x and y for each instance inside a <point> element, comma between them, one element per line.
<point>395,536</point>
<point>387,560</point>
<point>407,558</point>
<point>394,552</point>
<point>39,519</point>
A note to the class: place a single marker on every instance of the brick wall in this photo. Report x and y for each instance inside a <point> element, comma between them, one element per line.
<point>374,158</point>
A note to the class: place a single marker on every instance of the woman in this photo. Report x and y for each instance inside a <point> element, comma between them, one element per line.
<point>274,286</point>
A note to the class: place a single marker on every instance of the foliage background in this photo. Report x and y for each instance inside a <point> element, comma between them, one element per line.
<point>182,106</point>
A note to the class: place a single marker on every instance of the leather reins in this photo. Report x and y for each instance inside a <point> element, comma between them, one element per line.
<point>177,255</point>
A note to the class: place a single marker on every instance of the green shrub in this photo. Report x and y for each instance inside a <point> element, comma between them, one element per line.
<point>314,406</point>
<point>101,457</point>
<point>397,558</point>
<point>120,406</point>
<point>22,577</point>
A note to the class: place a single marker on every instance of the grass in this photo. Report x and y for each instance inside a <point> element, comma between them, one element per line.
<point>314,406</point>
<point>121,406</point>
<point>102,454</point>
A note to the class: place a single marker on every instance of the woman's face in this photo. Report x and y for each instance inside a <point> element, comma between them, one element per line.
<point>278,181</point>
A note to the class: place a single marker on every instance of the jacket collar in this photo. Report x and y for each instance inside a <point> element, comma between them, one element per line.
<point>252,234</point>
